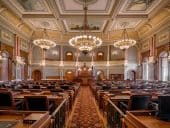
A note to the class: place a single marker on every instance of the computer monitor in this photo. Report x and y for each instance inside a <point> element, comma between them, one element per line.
<point>164,107</point>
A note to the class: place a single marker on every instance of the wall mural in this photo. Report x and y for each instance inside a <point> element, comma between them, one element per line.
<point>32,5</point>
<point>44,23</point>
<point>139,5</point>
<point>81,27</point>
<point>75,25</point>
<point>116,54</point>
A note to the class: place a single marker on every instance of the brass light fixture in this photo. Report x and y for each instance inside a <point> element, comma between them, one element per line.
<point>85,42</point>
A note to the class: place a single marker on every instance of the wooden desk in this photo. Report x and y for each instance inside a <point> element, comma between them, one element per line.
<point>143,119</point>
<point>118,98</point>
<point>42,119</point>
<point>54,98</point>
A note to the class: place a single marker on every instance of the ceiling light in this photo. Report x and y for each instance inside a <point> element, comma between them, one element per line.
<point>44,42</point>
<point>85,42</point>
<point>125,42</point>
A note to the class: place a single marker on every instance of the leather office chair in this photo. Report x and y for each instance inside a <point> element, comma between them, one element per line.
<point>136,102</point>
<point>50,87</point>
<point>7,101</point>
<point>38,103</point>
<point>163,105</point>
<point>25,87</point>
<point>36,87</point>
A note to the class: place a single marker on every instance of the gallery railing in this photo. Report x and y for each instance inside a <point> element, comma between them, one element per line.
<point>114,115</point>
<point>60,114</point>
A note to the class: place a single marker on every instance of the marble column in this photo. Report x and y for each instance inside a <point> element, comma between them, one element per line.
<point>43,64</point>
<point>16,56</point>
<point>108,64</point>
<point>4,70</point>
<point>168,70</point>
<point>151,71</point>
<point>151,64</point>
<point>61,63</point>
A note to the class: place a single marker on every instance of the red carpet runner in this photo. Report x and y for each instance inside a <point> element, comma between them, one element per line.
<point>85,114</point>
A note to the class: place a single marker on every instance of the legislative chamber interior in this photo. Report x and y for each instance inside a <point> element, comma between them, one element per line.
<point>84,63</point>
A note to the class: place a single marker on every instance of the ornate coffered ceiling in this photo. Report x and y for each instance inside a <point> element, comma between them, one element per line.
<point>95,7</point>
<point>66,16</point>
<point>47,23</point>
<point>117,24</point>
<point>31,6</point>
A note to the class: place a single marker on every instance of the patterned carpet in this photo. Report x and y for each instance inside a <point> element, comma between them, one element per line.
<point>85,113</point>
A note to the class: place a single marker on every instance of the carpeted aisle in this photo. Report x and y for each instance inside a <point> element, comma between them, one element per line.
<point>85,113</point>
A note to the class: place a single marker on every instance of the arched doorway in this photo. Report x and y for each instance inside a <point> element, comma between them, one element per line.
<point>36,75</point>
<point>100,75</point>
<point>132,75</point>
<point>69,75</point>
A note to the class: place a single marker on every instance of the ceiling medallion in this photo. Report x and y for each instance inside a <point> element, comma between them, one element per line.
<point>85,42</point>
<point>88,2</point>
<point>44,42</point>
<point>125,42</point>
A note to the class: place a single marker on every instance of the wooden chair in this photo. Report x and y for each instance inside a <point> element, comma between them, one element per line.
<point>7,101</point>
<point>136,102</point>
<point>38,103</point>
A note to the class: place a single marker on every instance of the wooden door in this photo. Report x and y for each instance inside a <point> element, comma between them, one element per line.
<point>36,75</point>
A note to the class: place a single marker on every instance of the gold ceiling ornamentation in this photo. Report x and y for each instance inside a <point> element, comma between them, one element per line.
<point>85,42</point>
<point>125,42</point>
<point>44,42</point>
<point>87,1</point>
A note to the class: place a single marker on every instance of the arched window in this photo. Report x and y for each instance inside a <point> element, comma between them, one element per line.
<point>163,66</point>
<point>100,75</point>
<point>145,68</point>
<point>69,56</point>
<point>100,56</point>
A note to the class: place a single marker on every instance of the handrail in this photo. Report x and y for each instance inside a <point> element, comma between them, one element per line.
<point>58,108</point>
<point>117,109</point>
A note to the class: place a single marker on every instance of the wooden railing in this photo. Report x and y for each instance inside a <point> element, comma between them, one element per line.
<point>59,115</point>
<point>114,115</point>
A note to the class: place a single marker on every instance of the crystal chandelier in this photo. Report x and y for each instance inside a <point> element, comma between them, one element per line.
<point>85,42</point>
<point>44,43</point>
<point>125,42</point>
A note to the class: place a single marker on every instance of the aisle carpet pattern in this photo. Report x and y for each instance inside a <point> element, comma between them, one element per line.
<point>85,113</point>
